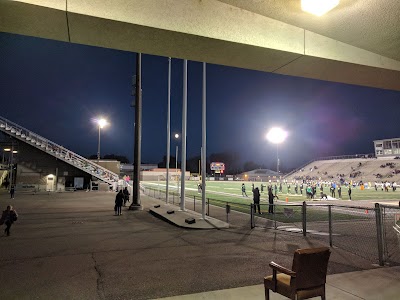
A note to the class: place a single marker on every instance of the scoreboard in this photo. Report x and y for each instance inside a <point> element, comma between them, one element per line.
<point>217,167</point>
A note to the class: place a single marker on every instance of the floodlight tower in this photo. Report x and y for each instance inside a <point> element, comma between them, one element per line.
<point>276,136</point>
<point>101,123</point>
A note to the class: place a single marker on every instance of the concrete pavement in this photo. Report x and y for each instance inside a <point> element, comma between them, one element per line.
<point>71,246</point>
<point>376,284</point>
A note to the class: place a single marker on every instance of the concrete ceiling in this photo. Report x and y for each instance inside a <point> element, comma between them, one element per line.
<point>355,43</point>
<point>373,25</point>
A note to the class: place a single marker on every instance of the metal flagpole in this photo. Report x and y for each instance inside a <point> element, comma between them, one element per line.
<point>176,169</point>
<point>184,119</point>
<point>203,148</point>
<point>168,128</point>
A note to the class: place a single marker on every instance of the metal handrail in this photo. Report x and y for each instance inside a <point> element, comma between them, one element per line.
<point>58,151</point>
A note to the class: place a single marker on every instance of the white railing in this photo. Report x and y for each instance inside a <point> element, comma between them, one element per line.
<point>58,151</point>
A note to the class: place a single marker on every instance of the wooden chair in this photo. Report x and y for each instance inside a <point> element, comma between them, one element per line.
<point>306,279</point>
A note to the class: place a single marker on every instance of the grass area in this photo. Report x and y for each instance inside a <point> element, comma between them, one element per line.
<point>220,193</point>
<point>230,191</point>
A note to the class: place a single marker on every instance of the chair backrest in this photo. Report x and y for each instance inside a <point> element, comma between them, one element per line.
<point>310,266</point>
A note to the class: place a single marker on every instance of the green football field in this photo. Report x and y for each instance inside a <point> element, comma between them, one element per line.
<point>220,193</point>
<point>230,191</point>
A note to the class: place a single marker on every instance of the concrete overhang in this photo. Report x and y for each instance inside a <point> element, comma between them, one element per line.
<point>200,30</point>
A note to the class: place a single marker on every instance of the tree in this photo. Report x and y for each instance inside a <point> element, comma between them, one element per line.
<point>250,165</point>
<point>192,164</point>
<point>172,162</point>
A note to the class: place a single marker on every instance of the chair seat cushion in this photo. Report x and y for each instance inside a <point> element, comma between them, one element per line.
<point>283,284</point>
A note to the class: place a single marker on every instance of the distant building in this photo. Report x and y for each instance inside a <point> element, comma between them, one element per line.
<point>387,147</point>
<point>263,175</point>
<point>127,169</point>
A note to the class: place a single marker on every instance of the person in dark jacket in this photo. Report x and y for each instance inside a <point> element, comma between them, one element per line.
<point>339,190</point>
<point>256,199</point>
<point>8,217</point>
<point>126,195</point>
<point>349,191</point>
<point>270,201</point>
<point>12,192</point>
<point>119,199</point>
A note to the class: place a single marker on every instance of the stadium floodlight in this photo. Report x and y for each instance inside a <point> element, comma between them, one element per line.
<point>277,136</point>
<point>318,7</point>
<point>177,135</point>
<point>101,123</point>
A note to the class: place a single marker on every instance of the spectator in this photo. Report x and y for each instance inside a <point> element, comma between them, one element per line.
<point>119,199</point>
<point>256,199</point>
<point>12,192</point>
<point>8,217</point>
<point>126,195</point>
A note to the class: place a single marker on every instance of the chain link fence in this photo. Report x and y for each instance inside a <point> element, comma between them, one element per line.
<point>391,234</point>
<point>369,232</point>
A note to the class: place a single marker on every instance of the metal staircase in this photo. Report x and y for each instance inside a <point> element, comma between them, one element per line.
<point>57,151</point>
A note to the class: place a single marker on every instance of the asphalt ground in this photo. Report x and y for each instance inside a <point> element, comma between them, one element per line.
<point>71,246</point>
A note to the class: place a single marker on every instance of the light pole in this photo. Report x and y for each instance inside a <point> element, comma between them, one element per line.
<point>276,136</point>
<point>101,123</point>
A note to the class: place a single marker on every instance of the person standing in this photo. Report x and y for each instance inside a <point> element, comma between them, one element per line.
<point>126,195</point>
<point>349,191</point>
<point>339,191</point>
<point>270,201</point>
<point>334,190</point>
<point>256,199</point>
<point>12,192</point>
<point>244,190</point>
<point>276,192</point>
<point>119,199</point>
<point>8,217</point>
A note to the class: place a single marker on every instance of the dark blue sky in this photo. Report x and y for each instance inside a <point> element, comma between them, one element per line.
<point>55,89</point>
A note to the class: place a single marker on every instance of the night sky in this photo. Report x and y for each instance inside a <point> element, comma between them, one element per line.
<point>55,89</point>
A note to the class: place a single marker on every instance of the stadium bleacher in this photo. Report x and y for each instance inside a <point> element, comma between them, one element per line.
<point>350,169</point>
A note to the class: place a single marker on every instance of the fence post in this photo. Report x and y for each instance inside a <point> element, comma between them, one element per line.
<point>330,224</point>
<point>173,198</point>
<point>228,210</point>
<point>304,209</point>
<point>274,215</point>
<point>379,232</point>
<point>208,206</point>
<point>194,203</point>
<point>252,225</point>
